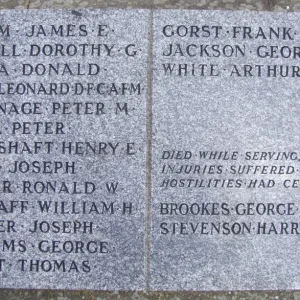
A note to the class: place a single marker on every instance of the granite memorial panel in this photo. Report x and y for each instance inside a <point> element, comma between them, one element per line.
<point>73,148</point>
<point>226,151</point>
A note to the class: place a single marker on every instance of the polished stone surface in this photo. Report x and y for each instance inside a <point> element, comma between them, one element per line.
<point>225,115</point>
<point>27,294</point>
<point>168,4</point>
<point>81,150</point>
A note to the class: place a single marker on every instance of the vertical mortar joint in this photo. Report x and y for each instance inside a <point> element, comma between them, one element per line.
<point>148,220</point>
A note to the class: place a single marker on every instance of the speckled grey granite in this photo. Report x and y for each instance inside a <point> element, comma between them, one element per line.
<point>89,4</point>
<point>271,5</point>
<point>215,94</point>
<point>192,4</point>
<point>82,77</point>
<point>6,294</point>
<point>206,4</point>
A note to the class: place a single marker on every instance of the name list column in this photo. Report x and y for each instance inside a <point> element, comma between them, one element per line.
<point>226,151</point>
<point>72,148</point>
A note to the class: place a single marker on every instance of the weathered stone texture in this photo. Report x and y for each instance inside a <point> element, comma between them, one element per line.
<point>122,230</point>
<point>287,5</point>
<point>90,4</point>
<point>96,295</point>
<point>195,111</point>
<point>207,4</point>
<point>17,4</point>
<point>278,5</point>
<point>270,5</point>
